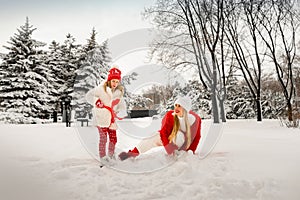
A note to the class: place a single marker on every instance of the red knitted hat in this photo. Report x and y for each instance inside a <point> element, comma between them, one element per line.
<point>114,73</point>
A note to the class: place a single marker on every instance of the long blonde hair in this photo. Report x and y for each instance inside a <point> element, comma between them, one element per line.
<point>176,127</point>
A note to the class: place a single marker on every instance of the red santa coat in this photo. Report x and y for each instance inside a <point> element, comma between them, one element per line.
<point>167,127</point>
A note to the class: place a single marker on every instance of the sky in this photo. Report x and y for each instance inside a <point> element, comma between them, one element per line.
<point>55,19</point>
<point>117,21</point>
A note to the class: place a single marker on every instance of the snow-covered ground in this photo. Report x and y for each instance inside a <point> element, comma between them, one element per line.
<point>251,161</point>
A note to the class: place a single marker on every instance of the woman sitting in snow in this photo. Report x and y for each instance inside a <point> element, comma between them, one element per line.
<point>180,130</point>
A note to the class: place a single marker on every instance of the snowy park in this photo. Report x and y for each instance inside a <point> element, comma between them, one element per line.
<point>108,100</point>
<point>251,160</point>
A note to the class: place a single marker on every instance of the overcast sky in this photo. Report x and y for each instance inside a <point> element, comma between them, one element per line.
<point>55,18</point>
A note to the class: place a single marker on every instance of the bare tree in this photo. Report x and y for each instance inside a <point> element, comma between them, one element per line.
<point>281,22</point>
<point>205,22</point>
<point>214,35</point>
<point>174,48</point>
<point>200,27</point>
<point>243,32</point>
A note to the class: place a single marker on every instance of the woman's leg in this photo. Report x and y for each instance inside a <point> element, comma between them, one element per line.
<point>143,146</point>
<point>102,141</point>
<point>149,143</point>
<point>112,142</point>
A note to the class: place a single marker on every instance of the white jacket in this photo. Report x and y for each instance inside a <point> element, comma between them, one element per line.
<point>102,116</point>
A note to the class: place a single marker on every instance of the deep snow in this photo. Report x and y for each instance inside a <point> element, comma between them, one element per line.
<point>251,161</point>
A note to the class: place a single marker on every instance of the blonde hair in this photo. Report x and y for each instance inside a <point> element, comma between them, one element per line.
<point>176,127</point>
<point>108,84</point>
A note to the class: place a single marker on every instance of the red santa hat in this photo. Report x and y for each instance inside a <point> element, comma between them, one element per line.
<point>114,73</point>
<point>184,102</point>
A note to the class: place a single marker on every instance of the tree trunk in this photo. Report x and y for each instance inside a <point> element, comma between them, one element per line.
<point>215,106</point>
<point>289,111</point>
<point>222,110</point>
<point>259,113</point>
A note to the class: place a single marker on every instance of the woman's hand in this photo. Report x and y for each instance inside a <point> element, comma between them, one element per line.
<point>99,104</point>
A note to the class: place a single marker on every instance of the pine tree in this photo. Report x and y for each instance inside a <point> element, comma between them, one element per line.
<point>239,103</point>
<point>201,100</point>
<point>25,93</point>
<point>53,61</point>
<point>92,71</point>
<point>273,101</point>
<point>91,42</point>
<point>137,101</point>
<point>106,59</point>
<point>63,60</point>
<point>69,63</point>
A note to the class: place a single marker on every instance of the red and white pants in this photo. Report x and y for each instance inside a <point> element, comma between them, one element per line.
<point>112,135</point>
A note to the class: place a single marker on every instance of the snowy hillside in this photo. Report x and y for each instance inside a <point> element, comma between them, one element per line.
<point>251,161</point>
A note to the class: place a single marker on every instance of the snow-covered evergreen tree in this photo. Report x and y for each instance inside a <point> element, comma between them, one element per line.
<point>1,57</point>
<point>69,63</point>
<point>54,64</point>
<point>106,59</point>
<point>273,101</point>
<point>92,71</point>
<point>63,60</point>
<point>201,101</point>
<point>137,101</point>
<point>25,93</point>
<point>239,103</point>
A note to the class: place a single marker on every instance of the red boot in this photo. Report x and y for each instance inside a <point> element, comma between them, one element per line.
<point>131,153</point>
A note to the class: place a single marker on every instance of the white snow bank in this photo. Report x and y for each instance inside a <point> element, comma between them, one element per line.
<point>251,161</point>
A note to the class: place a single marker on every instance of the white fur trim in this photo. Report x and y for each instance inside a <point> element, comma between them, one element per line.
<point>179,139</point>
<point>99,93</point>
<point>102,117</point>
<point>117,94</point>
<point>191,119</point>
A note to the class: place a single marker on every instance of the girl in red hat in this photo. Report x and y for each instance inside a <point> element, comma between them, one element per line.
<point>108,102</point>
<point>180,130</point>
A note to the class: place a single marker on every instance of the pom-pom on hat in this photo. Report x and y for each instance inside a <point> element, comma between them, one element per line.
<point>114,73</point>
<point>184,102</point>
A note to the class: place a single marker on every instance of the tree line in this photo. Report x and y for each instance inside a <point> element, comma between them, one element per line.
<point>244,52</point>
<point>37,84</point>
<point>34,82</point>
<point>222,39</point>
